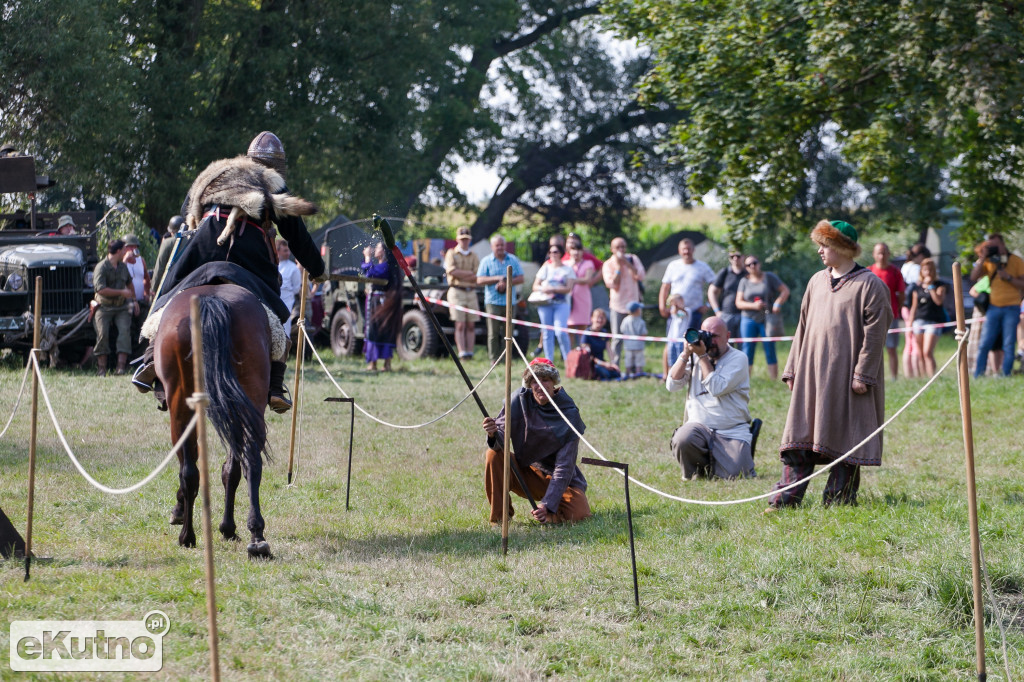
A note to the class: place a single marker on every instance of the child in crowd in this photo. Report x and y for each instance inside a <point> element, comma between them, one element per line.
<point>677,318</point>
<point>633,349</point>
<point>597,345</point>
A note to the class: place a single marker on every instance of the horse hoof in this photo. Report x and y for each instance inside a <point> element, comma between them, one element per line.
<point>177,517</point>
<point>259,550</point>
<point>190,543</point>
<point>228,533</point>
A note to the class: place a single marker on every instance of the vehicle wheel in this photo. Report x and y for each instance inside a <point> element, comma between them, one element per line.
<point>418,338</point>
<point>343,333</point>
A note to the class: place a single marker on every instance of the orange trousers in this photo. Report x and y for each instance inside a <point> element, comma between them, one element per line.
<point>573,506</point>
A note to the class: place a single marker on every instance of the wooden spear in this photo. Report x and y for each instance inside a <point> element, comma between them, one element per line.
<point>972,492</point>
<point>508,401</point>
<point>198,403</point>
<point>37,328</point>
<point>299,352</point>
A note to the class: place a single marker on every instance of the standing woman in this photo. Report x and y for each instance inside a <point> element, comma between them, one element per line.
<point>383,307</point>
<point>911,270</point>
<point>587,275</point>
<point>556,280</point>
<point>926,309</point>
<point>758,294</point>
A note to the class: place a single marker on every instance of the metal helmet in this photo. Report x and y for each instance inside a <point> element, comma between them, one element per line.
<point>267,149</point>
<point>174,224</point>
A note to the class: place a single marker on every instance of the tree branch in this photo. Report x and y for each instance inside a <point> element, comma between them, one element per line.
<point>551,23</point>
<point>531,172</point>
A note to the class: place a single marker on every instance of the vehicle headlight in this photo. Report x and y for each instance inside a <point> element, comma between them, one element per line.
<point>15,282</point>
<point>87,278</point>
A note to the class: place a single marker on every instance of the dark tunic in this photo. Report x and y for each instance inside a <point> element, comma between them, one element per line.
<point>540,437</point>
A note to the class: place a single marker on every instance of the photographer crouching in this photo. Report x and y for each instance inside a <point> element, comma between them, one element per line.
<point>716,438</point>
<point>1006,276</point>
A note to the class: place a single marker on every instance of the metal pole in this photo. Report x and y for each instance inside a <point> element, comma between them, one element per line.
<point>389,240</point>
<point>624,468</point>
<point>508,401</point>
<point>37,328</point>
<point>632,547</point>
<point>299,352</point>
<point>351,432</point>
<point>199,402</point>
<point>972,492</point>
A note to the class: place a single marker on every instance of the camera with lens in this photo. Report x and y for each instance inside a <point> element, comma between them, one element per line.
<point>695,336</point>
<point>992,255</point>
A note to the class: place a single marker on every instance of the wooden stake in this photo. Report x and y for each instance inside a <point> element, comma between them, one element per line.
<point>37,328</point>
<point>972,492</point>
<point>299,352</point>
<point>199,402</point>
<point>508,399</point>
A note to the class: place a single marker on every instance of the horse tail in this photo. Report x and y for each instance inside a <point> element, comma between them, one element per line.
<point>238,422</point>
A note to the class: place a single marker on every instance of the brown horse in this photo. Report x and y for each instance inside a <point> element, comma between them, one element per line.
<point>236,360</point>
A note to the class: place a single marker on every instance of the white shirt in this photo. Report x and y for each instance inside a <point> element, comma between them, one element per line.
<point>291,282</point>
<point>138,272</point>
<point>689,280</point>
<point>911,272</point>
<point>720,400</point>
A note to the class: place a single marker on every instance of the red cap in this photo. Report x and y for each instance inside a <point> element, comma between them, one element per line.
<point>541,361</point>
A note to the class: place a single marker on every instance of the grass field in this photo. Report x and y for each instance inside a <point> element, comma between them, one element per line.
<point>411,584</point>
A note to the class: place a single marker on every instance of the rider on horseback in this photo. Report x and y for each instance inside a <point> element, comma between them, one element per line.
<point>233,207</point>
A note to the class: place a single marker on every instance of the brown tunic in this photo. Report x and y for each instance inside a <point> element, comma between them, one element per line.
<point>840,337</point>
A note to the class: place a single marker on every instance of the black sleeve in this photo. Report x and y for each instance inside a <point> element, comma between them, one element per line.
<point>293,229</point>
<point>720,279</point>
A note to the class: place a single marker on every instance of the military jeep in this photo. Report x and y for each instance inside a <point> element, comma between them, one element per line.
<point>65,263</point>
<point>344,322</point>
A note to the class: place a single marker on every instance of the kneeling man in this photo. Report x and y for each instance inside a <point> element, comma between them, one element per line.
<point>545,448</point>
<point>715,440</point>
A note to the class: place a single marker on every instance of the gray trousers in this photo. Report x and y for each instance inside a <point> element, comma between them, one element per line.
<point>732,323</point>
<point>495,332</point>
<point>704,453</point>
<point>615,347</point>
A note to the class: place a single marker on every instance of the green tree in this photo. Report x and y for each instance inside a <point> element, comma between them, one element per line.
<point>376,103</point>
<point>919,99</point>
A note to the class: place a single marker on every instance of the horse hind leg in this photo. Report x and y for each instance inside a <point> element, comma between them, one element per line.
<point>189,482</point>
<point>259,548</point>
<point>230,475</point>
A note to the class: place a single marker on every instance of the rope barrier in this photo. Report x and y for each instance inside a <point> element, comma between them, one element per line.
<point>399,426</point>
<point>74,460</point>
<point>17,401</point>
<point>755,497</point>
<point>655,339</point>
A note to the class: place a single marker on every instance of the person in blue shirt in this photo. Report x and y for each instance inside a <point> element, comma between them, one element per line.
<point>492,276</point>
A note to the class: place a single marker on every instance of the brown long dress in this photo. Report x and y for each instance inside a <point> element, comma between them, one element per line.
<point>840,337</point>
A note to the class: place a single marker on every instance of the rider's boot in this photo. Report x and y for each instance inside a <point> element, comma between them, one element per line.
<point>122,362</point>
<point>145,375</point>
<point>277,400</point>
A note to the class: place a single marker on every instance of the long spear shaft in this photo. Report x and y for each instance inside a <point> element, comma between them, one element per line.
<point>507,463</point>
<point>37,319</point>
<point>389,241</point>
<point>299,353</point>
<point>972,490</point>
